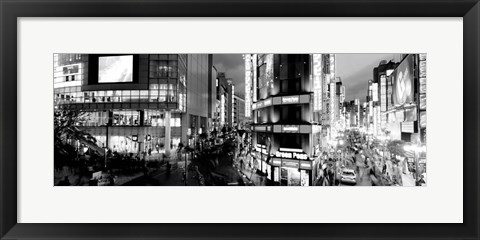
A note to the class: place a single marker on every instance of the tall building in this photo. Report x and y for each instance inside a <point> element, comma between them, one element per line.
<point>382,94</point>
<point>230,102</point>
<point>224,97</point>
<point>337,98</point>
<point>135,102</point>
<point>239,110</point>
<point>406,119</point>
<point>288,102</point>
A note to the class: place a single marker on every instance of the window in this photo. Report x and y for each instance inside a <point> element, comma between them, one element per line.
<point>66,78</point>
<point>290,140</point>
<point>291,113</point>
<point>163,93</point>
<point>163,68</point>
<point>171,93</point>
<point>290,85</point>
<point>175,122</point>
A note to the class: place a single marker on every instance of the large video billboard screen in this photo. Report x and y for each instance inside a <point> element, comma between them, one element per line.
<point>115,69</point>
<point>403,82</point>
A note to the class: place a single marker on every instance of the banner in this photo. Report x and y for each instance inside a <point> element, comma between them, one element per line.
<point>423,119</point>
<point>423,101</point>
<point>403,82</point>
<point>411,114</point>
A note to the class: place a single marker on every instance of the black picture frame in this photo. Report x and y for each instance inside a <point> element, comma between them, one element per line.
<point>10,10</point>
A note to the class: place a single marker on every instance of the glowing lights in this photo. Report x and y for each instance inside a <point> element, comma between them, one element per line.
<point>290,99</point>
<point>290,128</point>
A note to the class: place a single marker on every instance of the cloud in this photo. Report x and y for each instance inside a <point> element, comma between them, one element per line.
<point>355,71</point>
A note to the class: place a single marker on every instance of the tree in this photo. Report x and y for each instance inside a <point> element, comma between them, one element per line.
<point>395,147</point>
<point>66,133</point>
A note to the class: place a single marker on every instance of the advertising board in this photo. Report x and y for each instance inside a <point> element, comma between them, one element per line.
<point>403,82</point>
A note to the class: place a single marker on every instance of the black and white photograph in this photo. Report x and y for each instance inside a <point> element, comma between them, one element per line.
<point>246,119</point>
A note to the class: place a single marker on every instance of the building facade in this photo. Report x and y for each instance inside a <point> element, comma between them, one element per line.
<point>239,110</point>
<point>286,112</point>
<point>135,102</point>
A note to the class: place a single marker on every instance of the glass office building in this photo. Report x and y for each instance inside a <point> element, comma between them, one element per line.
<point>133,102</point>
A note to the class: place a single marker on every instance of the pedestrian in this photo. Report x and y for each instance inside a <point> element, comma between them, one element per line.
<point>421,181</point>
<point>149,152</point>
<point>64,182</point>
<point>111,181</point>
<point>168,169</point>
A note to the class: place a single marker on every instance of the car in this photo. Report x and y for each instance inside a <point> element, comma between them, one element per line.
<point>348,176</point>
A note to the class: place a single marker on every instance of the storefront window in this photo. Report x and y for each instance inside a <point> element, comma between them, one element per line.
<point>290,176</point>
<point>304,178</point>
<point>126,118</point>
<point>276,174</point>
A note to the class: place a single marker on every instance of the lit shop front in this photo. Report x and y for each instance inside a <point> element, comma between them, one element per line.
<point>292,167</point>
<point>286,167</point>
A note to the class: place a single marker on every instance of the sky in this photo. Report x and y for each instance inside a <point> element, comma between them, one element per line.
<point>354,69</point>
<point>233,66</point>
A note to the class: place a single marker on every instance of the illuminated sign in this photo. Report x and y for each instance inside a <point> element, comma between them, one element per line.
<point>383,93</point>
<point>306,165</point>
<point>332,101</point>
<point>290,128</point>
<point>222,109</point>
<point>267,102</point>
<point>403,82</point>
<point>113,69</point>
<point>408,127</point>
<point>423,69</point>
<point>291,99</point>
<point>291,150</point>
<point>375,92</point>
<point>290,164</point>
<point>410,115</point>
<point>291,155</point>
<point>276,162</point>
<point>254,78</point>
<point>261,150</point>
<point>260,128</point>
<point>248,85</point>
<point>71,69</point>
<point>423,85</point>
<point>317,82</point>
<point>423,119</point>
<point>423,101</point>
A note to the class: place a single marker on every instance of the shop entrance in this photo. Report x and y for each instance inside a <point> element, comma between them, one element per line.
<point>294,177</point>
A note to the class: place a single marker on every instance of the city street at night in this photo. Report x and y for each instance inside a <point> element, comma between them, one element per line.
<point>195,120</point>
